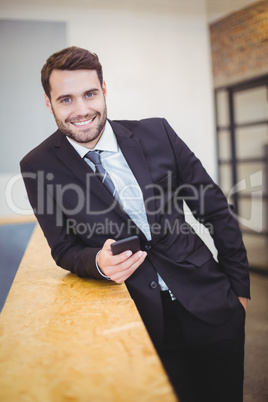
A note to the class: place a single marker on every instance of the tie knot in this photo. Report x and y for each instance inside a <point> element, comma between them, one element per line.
<point>94,156</point>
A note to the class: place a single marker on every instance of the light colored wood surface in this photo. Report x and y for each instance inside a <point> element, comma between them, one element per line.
<point>63,338</point>
<point>10,220</point>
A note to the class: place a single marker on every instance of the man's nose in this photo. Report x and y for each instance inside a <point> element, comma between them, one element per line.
<point>81,107</point>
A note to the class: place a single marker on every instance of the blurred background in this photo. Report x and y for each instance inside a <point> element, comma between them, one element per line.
<point>201,64</point>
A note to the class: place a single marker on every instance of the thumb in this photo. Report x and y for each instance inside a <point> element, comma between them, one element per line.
<point>107,244</point>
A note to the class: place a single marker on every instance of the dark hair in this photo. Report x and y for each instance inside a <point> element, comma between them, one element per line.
<point>70,58</point>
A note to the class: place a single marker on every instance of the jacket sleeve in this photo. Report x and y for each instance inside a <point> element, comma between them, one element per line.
<point>210,207</point>
<point>67,249</point>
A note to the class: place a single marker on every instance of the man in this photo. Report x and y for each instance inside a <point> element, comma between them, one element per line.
<point>193,307</point>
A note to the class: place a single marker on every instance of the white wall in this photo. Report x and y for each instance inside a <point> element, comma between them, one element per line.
<point>155,63</point>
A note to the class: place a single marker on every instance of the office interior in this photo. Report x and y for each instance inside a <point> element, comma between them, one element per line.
<point>201,64</point>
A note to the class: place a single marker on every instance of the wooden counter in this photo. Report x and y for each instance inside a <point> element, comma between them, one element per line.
<point>63,338</point>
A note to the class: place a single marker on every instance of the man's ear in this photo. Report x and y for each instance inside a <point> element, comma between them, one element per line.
<point>48,103</point>
<point>104,89</point>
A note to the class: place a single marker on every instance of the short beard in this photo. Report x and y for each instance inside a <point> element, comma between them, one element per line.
<point>69,133</point>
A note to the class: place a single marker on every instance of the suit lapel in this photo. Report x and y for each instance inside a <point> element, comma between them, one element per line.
<point>69,157</point>
<point>79,168</point>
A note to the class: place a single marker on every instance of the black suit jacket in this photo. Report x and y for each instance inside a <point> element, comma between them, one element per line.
<point>77,215</point>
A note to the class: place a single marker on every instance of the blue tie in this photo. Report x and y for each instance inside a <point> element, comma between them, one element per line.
<point>94,157</point>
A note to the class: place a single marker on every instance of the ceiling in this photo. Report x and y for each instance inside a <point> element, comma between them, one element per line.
<point>217,9</point>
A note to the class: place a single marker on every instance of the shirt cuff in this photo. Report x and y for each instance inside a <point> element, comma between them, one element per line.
<point>98,268</point>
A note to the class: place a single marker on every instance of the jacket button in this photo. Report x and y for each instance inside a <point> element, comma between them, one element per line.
<point>153,284</point>
<point>147,247</point>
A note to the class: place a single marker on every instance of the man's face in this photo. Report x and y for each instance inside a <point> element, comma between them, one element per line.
<point>78,103</point>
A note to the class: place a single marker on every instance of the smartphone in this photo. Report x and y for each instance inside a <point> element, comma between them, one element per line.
<point>130,243</point>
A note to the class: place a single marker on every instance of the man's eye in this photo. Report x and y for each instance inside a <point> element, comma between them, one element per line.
<point>66,100</point>
<point>90,95</point>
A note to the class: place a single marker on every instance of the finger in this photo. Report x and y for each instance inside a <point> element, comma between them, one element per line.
<point>119,258</point>
<point>122,275</point>
<point>110,263</point>
<point>125,264</point>
<point>107,245</point>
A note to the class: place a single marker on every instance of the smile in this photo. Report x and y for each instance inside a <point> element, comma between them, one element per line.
<point>83,123</point>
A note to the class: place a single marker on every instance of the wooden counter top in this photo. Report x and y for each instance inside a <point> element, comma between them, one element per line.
<point>63,338</point>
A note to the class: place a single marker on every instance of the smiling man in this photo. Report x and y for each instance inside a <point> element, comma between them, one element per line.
<point>95,181</point>
<point>80,114</point>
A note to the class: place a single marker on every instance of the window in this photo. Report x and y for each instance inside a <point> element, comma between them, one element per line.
<point>242,138</point>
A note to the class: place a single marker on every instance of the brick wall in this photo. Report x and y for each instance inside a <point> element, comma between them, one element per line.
<point>239,44</point>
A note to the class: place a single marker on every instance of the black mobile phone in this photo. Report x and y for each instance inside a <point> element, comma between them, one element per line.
<point>130,243</point>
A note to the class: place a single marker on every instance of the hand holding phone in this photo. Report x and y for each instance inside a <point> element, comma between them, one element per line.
<point>120,267</point>
<point>130,243</point>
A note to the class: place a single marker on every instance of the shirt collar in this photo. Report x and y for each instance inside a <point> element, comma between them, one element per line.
<point>107,142</point>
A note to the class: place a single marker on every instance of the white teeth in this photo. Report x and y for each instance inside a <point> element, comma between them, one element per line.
<point>83,123</point>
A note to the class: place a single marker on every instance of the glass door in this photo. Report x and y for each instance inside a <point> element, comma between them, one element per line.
<point>242,133</point>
